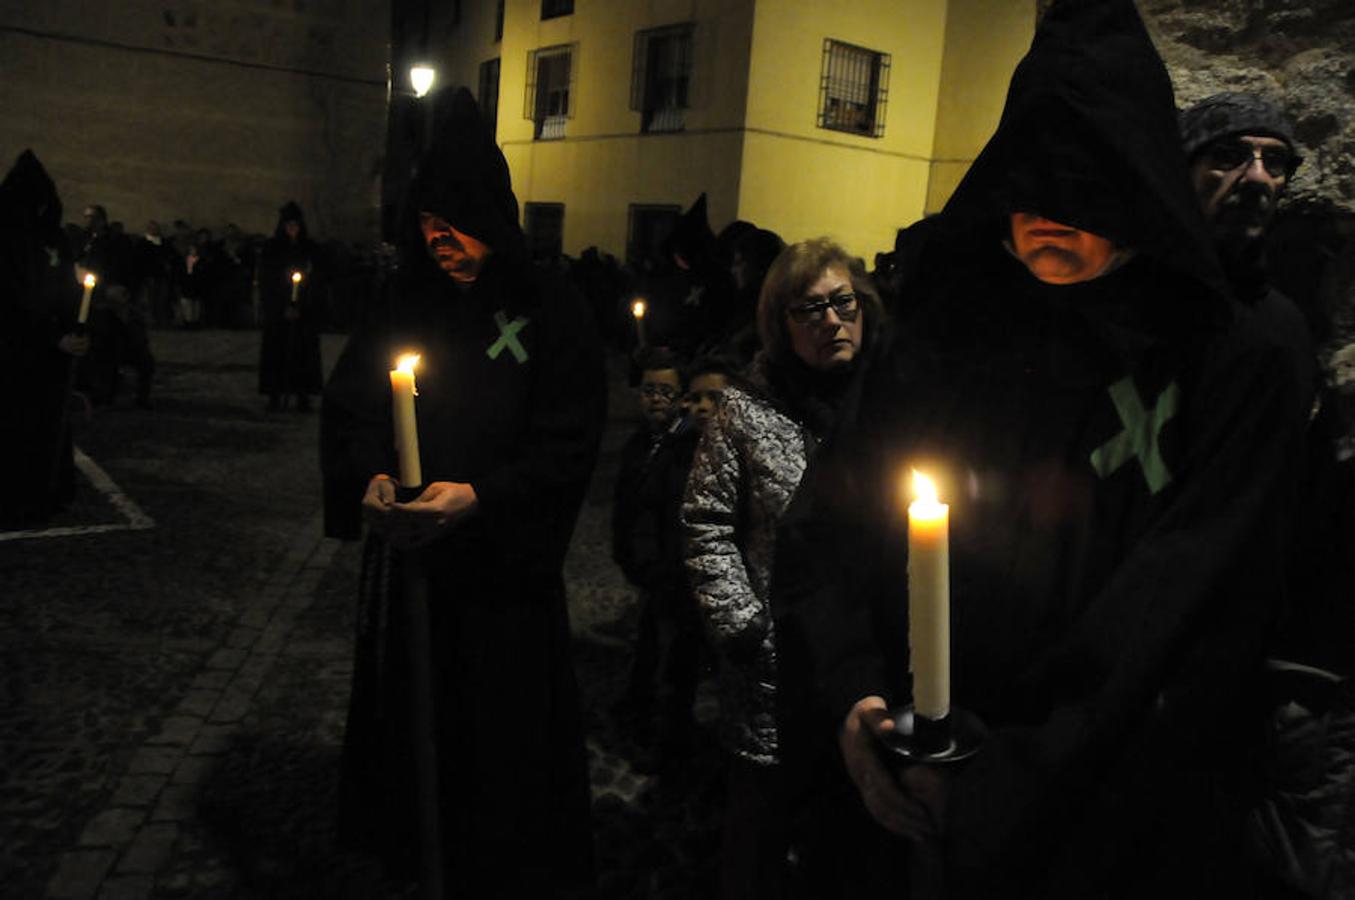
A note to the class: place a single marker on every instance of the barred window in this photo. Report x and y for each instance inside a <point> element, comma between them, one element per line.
<point>550,76</point>
<point>544,225</point>
<point>489,92</point>
<point>550,9</point>
<point>853,89</point>
<point>649,226</point>
<point>661,77</point>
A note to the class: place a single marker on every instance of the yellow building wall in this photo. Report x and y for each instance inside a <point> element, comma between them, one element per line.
<point>458,48</point>
<point>801,180</point>
<point>985,39</point>
<point>603,164</point>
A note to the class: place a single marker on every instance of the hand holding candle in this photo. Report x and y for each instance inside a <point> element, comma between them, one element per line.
<point>406,426</point>
<point>929,599</point>
<point>296,284</point>
<point>83,316</point>
<point>637,309</point>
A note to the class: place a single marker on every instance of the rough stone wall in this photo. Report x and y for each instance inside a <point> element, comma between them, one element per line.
<point>211,110</point>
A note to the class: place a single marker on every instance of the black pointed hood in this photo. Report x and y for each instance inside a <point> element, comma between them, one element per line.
<point>464,178</point>
<point>28,196</point>
<point>1088,137</point>
<point>691,236</point>
<point>291,212</point>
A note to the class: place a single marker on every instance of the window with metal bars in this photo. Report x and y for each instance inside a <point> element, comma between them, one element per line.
<point>853,89</point>
<point>489,92</point>
<point>550,9</point>
<point>544,226</point>
<point>661,77</point>
<point>648,226</point>
<point>550,77</point>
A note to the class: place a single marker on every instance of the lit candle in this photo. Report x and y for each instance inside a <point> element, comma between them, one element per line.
<point>406,427</point>
<point>83,315</point>
<point>296,284</point>
<point>637,309</point>
<point>929,599</point>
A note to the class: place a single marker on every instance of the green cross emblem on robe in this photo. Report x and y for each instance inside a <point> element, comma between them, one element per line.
<point>508,337</point>
<point>1141,432</point>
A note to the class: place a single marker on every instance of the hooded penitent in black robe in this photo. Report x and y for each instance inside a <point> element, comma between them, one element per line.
<point>38,301</point>
<point>511,399</point>
<point>1115,455</point>
<point>289,354</point>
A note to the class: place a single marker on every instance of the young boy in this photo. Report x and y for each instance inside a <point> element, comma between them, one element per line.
<point>647,545</point>
<point>706,382</point>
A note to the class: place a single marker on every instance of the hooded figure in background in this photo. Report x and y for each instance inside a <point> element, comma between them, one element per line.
<point>1115,438</point>
<point>690,289</point>
<point>511,403</point>
<point>39,297</point>
<point>292,310</point>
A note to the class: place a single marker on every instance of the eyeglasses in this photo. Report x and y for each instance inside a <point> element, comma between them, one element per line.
<point>662,391</point>
<point>814,312</point>
<point>1279,162</point>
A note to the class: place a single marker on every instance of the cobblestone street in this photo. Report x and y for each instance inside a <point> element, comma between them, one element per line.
<point>176,653</point>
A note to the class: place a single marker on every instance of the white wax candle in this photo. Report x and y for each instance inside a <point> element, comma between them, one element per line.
<point>406,426</point>
<point>83,316</point>
<point>637,309</point>
<point>929,600</point>
<point>296,284</point>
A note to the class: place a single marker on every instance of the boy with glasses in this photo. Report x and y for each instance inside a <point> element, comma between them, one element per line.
<point>647,545</point>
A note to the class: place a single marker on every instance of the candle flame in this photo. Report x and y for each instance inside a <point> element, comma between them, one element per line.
<point>924,490</point>
<point>637,309</point>
<point>296,278</point>
<point>407,363</point>
<point>90,281</point>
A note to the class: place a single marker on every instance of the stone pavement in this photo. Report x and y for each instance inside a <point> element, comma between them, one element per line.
<point>176,652</point>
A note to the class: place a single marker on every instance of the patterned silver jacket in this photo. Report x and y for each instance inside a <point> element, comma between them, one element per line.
<point>747,467</point>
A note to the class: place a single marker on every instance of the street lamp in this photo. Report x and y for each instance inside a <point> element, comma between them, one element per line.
<point>421,77</point>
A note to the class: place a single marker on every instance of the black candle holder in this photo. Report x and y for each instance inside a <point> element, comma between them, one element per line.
<point>921,740</point>
<point>408,494</point>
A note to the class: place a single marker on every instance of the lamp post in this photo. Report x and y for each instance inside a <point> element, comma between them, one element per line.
<point>421,79</point>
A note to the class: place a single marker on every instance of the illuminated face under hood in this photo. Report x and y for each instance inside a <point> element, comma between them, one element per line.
<point>1088,138</point>
<point>463,179</point>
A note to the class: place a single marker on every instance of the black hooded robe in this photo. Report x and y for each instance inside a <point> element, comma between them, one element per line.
<point>38,301</point>
<point>511,399</point>
<point>289,349</point>
<point>1116,455</point>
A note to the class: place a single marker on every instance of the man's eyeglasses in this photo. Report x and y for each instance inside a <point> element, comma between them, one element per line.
<point>1279,162</point>
<point>661,391</point>
<point>814,312</point>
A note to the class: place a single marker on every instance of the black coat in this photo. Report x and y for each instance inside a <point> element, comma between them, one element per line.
<point>1108,608</point>
<point>647,541</point>
<point>289,350</point>
<point>38,301</point>
<point>511,399</point>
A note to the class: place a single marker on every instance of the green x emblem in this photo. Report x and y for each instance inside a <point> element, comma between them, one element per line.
<point>508,337</point>
<point>1140,436</point>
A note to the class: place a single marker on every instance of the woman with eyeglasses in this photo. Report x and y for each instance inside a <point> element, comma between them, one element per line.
<point>815,314</point>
